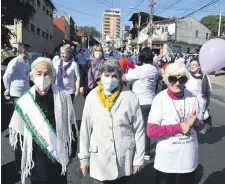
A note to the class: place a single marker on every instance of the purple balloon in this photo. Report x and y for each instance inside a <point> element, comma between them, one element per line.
<point>212,55</point>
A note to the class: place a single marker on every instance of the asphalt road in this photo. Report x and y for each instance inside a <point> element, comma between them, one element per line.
<point>211,169</point>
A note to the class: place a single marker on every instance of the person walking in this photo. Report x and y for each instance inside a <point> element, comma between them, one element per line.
<point>200,86</point>
<point>112,139</point>
<point>125,64</point>
<point>144,80</point>
<point>42,120</point>
<point>68,78</point>
<point>92,70</point>
<point>176,156</point>
<point>16,82</point>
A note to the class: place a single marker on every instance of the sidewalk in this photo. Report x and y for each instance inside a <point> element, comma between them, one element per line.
<point>218,87</point>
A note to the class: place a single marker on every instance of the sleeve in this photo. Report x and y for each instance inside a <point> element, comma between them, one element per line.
<point>154,127</point>
<point>85,133</point>
<point>139,133</point>
<point>8,73</point>
<point>83,75</point>
<point>155,115</point>
<point>130,65</point>
<point>132,75</point>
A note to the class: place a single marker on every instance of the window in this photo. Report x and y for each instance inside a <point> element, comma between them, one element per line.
<point>38,31</point>
<point>166,29</point>
<point>196,34</point>
<point>47,12</point>
<point>163,30</point>
<point>43,34</point>
<point>188,50</point>
<point>47,36</point>
<point>26,26</point>
<point>32,28</point>
<point>50,37</point>
<point>50,14</point>
<point>207,36</point>
<point>43,8</point>
<point>38,3</point>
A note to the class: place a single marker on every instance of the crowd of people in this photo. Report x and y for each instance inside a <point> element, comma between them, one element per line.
<point>129,99</point>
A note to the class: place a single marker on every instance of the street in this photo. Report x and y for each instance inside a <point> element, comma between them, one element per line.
<point>211,169</point>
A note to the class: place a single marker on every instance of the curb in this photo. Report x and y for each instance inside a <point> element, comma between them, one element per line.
<point>218,97</point>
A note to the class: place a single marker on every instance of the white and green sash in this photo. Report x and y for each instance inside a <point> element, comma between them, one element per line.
<point>38,125</point>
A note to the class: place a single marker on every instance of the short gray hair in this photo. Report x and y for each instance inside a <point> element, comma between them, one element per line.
<point>22,48</point>
<point>43,61</point>
<point>67,49</point>
<point>112,65</point>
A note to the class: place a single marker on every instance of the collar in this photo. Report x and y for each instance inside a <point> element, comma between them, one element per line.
<point>175,96</point>
<point>196,76</point>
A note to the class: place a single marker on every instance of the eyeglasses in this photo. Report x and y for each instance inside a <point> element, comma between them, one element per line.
<point>174,79</point>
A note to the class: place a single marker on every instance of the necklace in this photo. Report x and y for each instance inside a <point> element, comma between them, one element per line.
<point>181,117</point>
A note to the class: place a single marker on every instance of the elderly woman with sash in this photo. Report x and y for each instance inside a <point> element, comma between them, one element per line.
<point>42,119</point>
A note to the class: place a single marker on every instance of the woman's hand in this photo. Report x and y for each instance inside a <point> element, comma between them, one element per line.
<point>186,127</point>
<point>192,119</point>
<point>84,166</point>
<point>136,169</point>
<point>82,90</point>
<point>76,93</point>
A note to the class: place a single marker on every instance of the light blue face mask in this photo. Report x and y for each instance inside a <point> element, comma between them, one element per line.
<point>109,84</point>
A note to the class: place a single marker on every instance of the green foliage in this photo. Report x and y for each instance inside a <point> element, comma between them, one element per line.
<point>91,31</point>
<point>212,23</point>
<point>21,10</point>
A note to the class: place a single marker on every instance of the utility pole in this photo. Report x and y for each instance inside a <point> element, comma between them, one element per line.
<point>152,4</point>
<point>219,23</point>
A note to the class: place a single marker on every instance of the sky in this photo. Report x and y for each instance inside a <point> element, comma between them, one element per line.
<point>89,12</point>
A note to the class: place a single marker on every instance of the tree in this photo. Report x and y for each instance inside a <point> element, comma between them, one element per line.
<point>20,10</point>
<point>90,31</point>
<point>212,23</point>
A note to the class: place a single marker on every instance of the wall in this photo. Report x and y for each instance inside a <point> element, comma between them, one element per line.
<point>181,48</point>
<point>42,20</point>
<point>186,31</point>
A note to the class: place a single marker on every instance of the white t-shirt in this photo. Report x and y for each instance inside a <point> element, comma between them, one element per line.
<point>70,80</point>
<point>178,153</point>
<point>144,80</point>
<point>195,86</point>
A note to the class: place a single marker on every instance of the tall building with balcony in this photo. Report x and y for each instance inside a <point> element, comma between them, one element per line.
<point>110,26</point>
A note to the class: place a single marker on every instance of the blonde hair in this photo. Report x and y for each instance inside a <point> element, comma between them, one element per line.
<point>175,69</point>
<point>94,49</point>
<point>42,61</point>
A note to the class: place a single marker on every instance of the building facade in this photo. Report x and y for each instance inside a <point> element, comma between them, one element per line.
<point>63,23</point>
<point>110,26</point>
<point>184,35</point>
<point>38,33</point>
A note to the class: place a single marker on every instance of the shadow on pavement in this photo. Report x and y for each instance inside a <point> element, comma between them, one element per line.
<point>215,135</point>
<point>9,174</point>
<point>217,177</point>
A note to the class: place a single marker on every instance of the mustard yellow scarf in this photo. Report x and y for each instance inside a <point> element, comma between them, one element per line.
<point>107,101</point>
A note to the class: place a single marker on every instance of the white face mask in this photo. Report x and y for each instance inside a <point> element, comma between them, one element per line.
<point>98,54</point>
<point>109,84</point>
<point>42,82</point>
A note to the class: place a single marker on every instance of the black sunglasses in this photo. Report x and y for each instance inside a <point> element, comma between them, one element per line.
<point>174,79</point>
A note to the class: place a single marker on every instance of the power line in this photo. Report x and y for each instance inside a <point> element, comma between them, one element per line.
<point>77,11</point>
<point>203,7</point>
<point>170,6</point>
<point>104,3</point>
<point>134,8</point>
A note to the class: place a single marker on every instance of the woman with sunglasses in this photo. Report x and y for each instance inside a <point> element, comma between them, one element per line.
<point>174,112</point>
<point>200,86</point>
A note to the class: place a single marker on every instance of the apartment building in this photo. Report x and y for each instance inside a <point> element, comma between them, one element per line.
<point>110,25</point>
<point>38,33</point>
